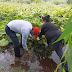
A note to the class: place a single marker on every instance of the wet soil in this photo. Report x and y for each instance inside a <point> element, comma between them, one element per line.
<point>27,62</point>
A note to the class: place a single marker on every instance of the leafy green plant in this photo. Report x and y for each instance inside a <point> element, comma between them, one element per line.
<point>31,13</point>
<point>3,42</point>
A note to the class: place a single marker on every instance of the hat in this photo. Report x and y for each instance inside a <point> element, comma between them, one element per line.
<point>36,31</point>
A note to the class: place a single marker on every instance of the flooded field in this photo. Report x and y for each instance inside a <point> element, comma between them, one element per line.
<point>33,62</point>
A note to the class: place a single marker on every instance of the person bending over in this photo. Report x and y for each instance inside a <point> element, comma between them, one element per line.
<point>52,33</point>
<point>25,29</point>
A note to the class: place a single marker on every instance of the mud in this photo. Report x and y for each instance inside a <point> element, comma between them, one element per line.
<point>36,62</point>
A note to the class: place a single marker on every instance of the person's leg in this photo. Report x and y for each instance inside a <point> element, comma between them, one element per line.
<point>15,41</point>
<point>21,42</point>
<point>58,48</point>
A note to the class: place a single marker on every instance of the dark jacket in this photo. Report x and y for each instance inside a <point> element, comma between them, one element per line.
<point>50,31</point>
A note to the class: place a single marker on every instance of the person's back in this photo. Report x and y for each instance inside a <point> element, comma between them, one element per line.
<point>51,31</point>
<point>22,27</point>
<point>19,25</point>
<point>25,29</point>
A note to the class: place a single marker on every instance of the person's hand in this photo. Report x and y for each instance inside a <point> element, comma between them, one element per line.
<point>32,38</point>
<point>28,52</point>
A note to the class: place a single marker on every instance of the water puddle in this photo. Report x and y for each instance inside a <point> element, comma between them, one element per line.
<point>34,61</point>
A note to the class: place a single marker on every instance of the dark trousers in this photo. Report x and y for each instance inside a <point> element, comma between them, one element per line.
<point>58,49</point>
<point>14,39</point>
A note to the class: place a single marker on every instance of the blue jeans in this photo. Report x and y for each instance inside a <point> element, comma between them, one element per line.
<point>14,39</point>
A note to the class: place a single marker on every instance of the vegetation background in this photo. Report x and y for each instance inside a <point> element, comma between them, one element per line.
<point>59,10</point>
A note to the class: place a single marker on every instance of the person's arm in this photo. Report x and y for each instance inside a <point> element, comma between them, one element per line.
<point>24,42</point>
<point>40,34</point>
<point>42,31</point>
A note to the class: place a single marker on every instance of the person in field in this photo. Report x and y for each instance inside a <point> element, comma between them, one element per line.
<point>25,29</point>
<point>52,33</point>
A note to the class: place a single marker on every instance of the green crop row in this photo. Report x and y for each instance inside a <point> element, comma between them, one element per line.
<point>31,12</point>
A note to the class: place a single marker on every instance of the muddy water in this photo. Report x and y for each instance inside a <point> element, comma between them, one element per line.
<point>34,61</point>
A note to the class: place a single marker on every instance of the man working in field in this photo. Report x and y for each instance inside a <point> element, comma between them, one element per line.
<point>25,29</point>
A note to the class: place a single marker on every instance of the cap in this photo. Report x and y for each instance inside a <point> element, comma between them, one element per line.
<point>36,31</point>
